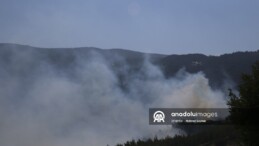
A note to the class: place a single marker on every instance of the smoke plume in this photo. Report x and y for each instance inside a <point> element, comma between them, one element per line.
<point>92,101</point>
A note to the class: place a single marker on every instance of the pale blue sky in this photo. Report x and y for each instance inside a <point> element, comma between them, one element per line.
<point>159,26</point>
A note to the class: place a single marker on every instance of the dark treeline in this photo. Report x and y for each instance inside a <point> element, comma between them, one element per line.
<point>220,135</point>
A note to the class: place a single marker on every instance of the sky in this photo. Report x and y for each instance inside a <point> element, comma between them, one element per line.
<point>210,27</point>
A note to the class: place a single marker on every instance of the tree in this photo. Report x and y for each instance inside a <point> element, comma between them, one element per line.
<point>244,108</point>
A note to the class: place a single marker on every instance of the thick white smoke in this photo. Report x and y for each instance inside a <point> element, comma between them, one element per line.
<point>89,108</point>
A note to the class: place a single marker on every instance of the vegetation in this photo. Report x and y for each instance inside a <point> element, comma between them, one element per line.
<point>212,136</point>
<point>243,109</point>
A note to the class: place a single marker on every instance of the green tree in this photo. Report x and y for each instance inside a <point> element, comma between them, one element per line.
<point>244,108</point>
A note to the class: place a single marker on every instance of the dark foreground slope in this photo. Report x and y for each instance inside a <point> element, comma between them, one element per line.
<point>211,136</point>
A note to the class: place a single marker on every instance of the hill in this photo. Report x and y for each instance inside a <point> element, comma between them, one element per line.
<point>216,68</point>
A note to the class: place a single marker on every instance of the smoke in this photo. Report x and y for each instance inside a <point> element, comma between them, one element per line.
<point>86,103</point>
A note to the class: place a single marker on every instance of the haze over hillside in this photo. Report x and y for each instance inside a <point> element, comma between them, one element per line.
<point>216,68</point>
<point>90,96</point>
